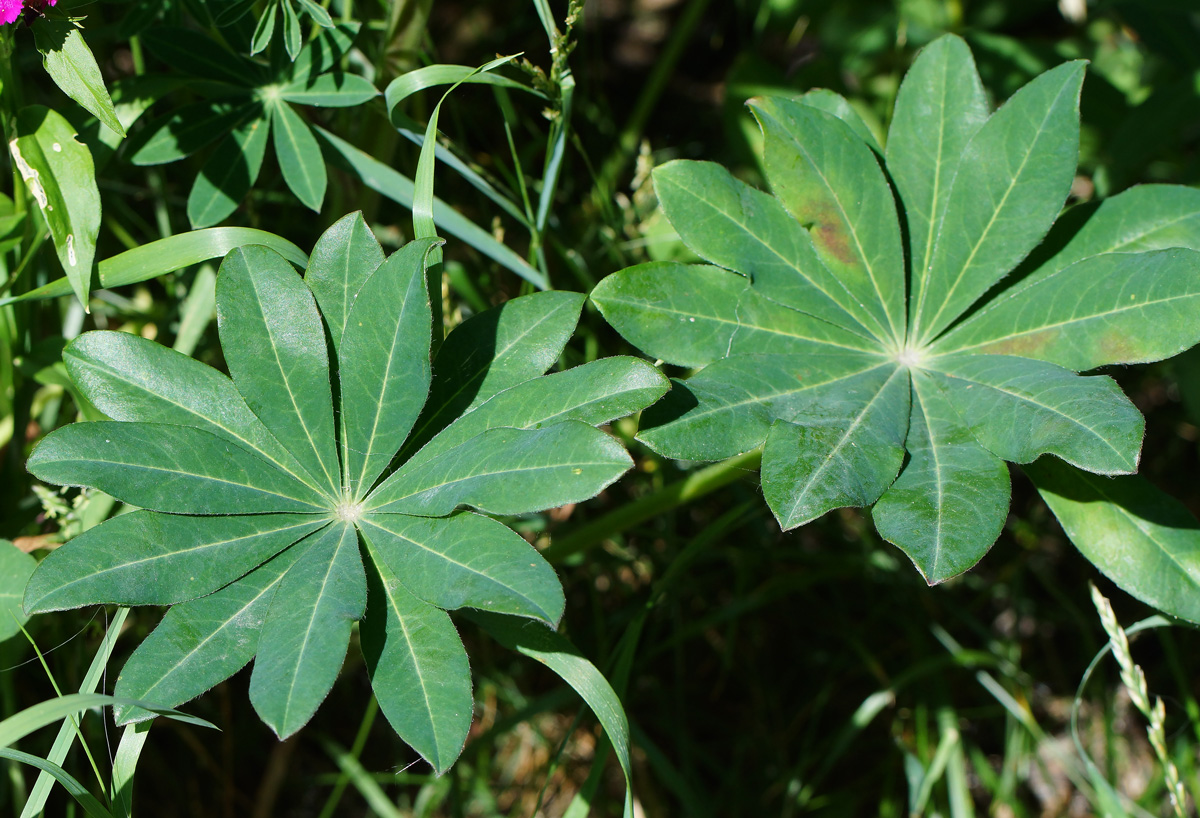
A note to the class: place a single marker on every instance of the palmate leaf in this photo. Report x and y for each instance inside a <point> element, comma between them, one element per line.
<point>271,527</point>
<point>861,394</point>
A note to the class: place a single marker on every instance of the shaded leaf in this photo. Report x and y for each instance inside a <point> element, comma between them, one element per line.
<point>333,90</point>
<point>228,174</point>
<point>187,130</point>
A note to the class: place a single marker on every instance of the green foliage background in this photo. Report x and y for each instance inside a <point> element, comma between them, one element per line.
<point>763,673</point>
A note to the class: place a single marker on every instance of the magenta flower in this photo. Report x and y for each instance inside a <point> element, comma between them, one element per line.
<point>10,10</point>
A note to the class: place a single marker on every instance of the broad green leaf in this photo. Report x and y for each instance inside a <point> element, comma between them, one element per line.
<point>91,806</point>
<point>129,378</point>
<point>1014,176</point>
<point>199,55</point>
<point>228,174</point>
<point>147,558</point>
<point>832,184</point>
<point>59,174</point>
<point>1142,539</point>
<point>188,129</point>
<point>1020,409</point>
<point>399,188</point>
<point>299,155</point>
<point>15,569</point>
<point>950,501</point>
<point>1143,218</point>
<point>593,393</point>
<point>175,469</point>
<point>418,669</point>
<point>203,642</point>
<point>466,561</point>
<point>507,471</point>
<point>838,106</point>
<point>813,468</point>
<point>494,350</point>
<point>1115,308</point>
<point>940,106</point>
<point>739,228</point>
<point>343,258</point>
<point>303,641</point>
<point>70,63</point>
<point>385,369</point>
<point>168,255</point>
<point>692,315</point>
<point>333,90</point>
<point>264,30</point>
<point>275,348</point>
<point>555,652</point>
<point>729,407</point>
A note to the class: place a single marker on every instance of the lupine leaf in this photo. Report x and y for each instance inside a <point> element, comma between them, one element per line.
<point>229,173</point>
<point>345,256</point>
<point>71,65</point>
<point>333,90</point>
<point>299,155</point>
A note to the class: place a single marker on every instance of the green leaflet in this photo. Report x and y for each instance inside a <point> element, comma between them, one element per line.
<point>991,374</point>
<point>386,371</point>
<point>246,512</point>
<point>307,629</point>
<point>187,130</point>
<point>951,499</point>
<point>147,558</point>
<point>275,347</point>
<point>70,63</point>
<point>507,471</point>
<point>418,669</point>
<point>299,155</point>
<point>940,106</point>
<point>334,90</point>
<point>1143,540</point>
<point>59,174</point>
<point>466,561</point>
<point>168,468</point>
<point>229,173</point>
<point>15,569</point>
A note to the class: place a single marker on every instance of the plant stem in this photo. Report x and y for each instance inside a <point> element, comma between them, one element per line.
<point>692,487</point>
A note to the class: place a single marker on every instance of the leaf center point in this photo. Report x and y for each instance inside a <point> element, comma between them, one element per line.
<point>348,511</point>
<point>911,356</point>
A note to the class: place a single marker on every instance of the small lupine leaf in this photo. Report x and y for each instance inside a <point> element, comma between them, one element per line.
<point>299,155</point>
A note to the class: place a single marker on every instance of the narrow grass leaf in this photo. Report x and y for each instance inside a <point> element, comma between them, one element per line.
<point>950,501</point>
<point>176,469</point>
<point>229,173</point>
<point>418,669</point>
<point>431,76</point>
<point>385,369</point>
<point>729,406</point>
<point>939,107</point>
<point>274,345</point>
<point>130,378</point>
<point>147,558</point>
<point>507,471</point>
<point>1020,409</point>
<point>1011,183</point>
<point>555,652</point>
<point>70,63</point>
<point>813,468</point>
<point>832,184</point>
<point>299,155</point>
<point>734,226</point>
<point>304,638</point>
<point>332,90</point>
<point>1145,541</point>
<point>60,176</point>
<point>371,791</point>
<point>493,351</point>
<point>85,799</point>
<point>399,188</point>
<point>467,561</point>
<point>36,716</point>
<point>129,750</point>
<point>343,258</point>
<point>1114,308</point>
<point>201,643</point>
